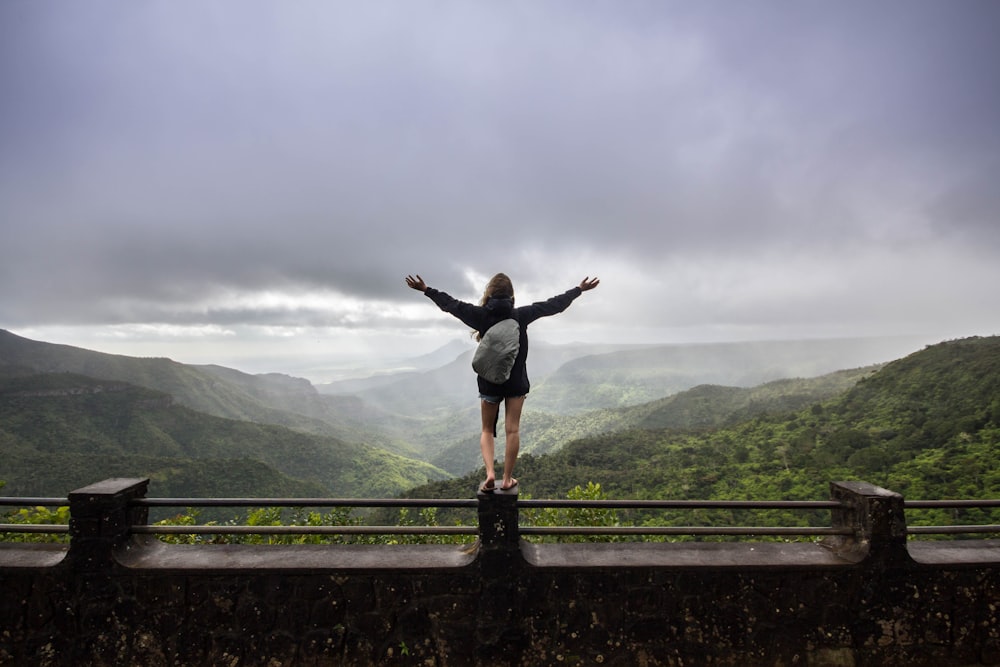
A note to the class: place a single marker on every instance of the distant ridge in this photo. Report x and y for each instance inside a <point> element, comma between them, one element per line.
<point>214,390</point>
<point>926,425</point>
<point>569,379</point>
<point>631,377</point>
<point>156,416</point>
<point>432,415</point>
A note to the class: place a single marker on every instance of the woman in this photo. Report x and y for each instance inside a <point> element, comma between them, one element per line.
<point>498,304</point>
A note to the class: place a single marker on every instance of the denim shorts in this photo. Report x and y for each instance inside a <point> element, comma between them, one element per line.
<point>496,399</point>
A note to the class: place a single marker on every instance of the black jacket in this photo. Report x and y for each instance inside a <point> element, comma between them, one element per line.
<point>482,318</point>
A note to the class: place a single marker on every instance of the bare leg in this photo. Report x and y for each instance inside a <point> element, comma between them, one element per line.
<point>512,430</point>
<point>486,441</point>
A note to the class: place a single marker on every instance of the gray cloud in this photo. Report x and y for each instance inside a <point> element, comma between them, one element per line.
<point>157,156</point>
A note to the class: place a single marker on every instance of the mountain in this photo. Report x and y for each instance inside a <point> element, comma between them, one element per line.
<point>432,415</point>
<point>60,431</point>
<point>575,378</point>
<point>713,406</point>
<point>441,388</point>
<point>926,425</point>
<point>699,408</point>
<point>386,373</point>
<point>634,376</point>
<point>439,412</point>
<point>221,392</point>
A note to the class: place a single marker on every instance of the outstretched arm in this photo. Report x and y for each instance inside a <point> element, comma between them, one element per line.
<point>416,283</point>
<point>469,314</point>
<point>556,304</point>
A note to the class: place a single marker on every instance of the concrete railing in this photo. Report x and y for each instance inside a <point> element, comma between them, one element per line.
<point>863,595</point>
<point>866,521</point>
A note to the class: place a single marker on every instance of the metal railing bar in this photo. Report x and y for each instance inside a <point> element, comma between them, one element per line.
<point>33,502</point>
<point>46,501</point>
<point>951,530</point>
<point>947,504</point>
<point>680,530</point>
<point>34,528</point>
<point>687,504</point>
<point>522,504</point>
<point>305,530</point>
<point>303,502</point>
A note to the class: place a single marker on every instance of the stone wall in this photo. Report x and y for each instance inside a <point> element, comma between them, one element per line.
<point>114,598</point>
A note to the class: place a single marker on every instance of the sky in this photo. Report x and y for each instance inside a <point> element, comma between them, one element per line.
<point>248,182</point>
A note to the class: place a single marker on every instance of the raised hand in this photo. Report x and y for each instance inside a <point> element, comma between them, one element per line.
<point>416,283</point>
<point>588,283</point>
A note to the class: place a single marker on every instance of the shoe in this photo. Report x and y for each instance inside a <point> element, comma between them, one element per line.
<point>487,486</point>
<point>513,483</point>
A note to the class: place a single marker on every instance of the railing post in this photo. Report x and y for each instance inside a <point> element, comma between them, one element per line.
<point>498,526</point>
<point>100,521</point>
<point>499,628</point>
<point>876,517</point>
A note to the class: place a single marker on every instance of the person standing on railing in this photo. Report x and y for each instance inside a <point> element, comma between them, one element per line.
<point>497,304</point>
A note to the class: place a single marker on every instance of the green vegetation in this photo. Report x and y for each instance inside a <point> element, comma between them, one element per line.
<point>36,516</point>
<point>266,399</point>
<point>642,374</point>
<point>585,516</point>
<point>62,431</point>
<point>703,407</point>
<point>304,517</point>
<point>927,426</point>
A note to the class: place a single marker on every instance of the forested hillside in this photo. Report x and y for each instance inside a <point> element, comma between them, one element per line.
<point>61,431</point>
<point>702,407</point>
<point>927,426</point>
<point>570,389</point>
<point>214,390</point>
<point>574,378</point>
<point>924,424</point>
<point>432,415</point>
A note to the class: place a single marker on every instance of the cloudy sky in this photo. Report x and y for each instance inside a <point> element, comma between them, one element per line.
<point>247,182</point>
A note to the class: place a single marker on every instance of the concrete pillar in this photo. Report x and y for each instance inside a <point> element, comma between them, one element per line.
<point>876,517</point>
<point>101,519</point>
<point>500,634</point>
<point>498,526</point>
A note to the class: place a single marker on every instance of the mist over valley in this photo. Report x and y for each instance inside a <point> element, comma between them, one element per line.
<point>73,415</point>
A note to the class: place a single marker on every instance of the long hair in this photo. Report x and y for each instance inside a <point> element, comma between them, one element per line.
<point>499,285</point>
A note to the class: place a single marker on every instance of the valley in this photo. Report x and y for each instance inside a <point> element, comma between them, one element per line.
<point>750,420</point>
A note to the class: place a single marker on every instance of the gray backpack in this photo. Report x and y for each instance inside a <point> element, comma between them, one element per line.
<point>494,358</point>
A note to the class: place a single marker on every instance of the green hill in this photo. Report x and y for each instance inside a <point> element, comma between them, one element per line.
<point>575,378</point>
<point>635,376</point>
<point>214,390</point>
<point>59,431</point>
<point>927,425</point>
<point>703,407</point>
<point>713,406</point>
<point>576,389</point>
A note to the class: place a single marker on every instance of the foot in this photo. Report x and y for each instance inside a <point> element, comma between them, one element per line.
<point>488,486</point>
<point>507,486</point>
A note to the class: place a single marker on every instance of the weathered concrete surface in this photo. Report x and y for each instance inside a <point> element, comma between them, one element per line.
<point>16,556</point>
<point>866,598</point>
<point>560,605</point>
<point>153,555</point>
<point>782,614</point>
<point>971,552</point>
<point>742,556</point>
